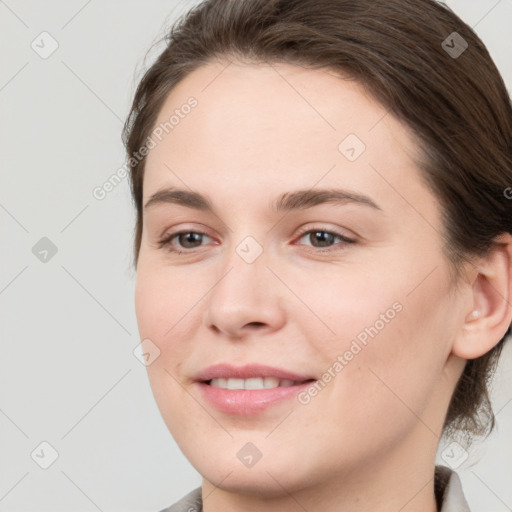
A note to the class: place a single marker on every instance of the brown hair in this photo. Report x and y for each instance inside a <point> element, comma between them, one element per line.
<point>406,55</point>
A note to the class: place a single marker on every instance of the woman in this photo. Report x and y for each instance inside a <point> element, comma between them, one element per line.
<point>323,249</point>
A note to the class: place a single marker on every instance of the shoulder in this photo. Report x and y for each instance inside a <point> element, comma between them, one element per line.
<point>449,493</point>
<point>192,502</point>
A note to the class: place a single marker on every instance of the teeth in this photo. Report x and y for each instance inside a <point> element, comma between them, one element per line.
<point>252,383</point>
<point>257,383</point>
<point>235,383</point>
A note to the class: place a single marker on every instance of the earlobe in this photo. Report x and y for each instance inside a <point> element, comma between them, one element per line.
<point>490,314</point>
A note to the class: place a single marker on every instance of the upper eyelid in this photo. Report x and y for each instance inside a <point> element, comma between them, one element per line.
<point>301,231</point>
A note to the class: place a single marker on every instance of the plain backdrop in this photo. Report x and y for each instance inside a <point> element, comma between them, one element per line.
<point>74,397</point>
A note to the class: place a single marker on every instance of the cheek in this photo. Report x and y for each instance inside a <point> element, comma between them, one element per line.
<point>341,304</point>
<point>164,314</point>
<point>389,346</point>
<point>163,304</point>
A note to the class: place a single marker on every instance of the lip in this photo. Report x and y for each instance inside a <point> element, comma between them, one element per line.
<point>245,402</point>
<point>227,371</point>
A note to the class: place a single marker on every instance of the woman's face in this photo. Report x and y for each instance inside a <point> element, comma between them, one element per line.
<point>372,320</point>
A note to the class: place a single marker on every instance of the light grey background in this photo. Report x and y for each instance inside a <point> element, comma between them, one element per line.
<point>68,373</point>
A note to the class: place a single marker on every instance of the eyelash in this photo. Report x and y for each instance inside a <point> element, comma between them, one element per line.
<point>166,241</point>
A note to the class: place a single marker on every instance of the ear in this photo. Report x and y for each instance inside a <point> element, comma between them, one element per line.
<point>489,318</point>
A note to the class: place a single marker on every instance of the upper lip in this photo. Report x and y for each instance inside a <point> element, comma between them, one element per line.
<point>227,371</point>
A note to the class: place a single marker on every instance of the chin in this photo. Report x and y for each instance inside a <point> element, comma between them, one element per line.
<point>250,482</point>
<point>268,476</point>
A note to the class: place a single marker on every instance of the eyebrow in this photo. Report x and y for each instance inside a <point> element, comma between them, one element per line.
<point>296,200</point>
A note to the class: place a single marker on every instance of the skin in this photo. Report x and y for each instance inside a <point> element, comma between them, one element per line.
<point>368,439</point>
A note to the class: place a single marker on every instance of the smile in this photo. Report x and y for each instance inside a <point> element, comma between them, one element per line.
<point>252,383</point>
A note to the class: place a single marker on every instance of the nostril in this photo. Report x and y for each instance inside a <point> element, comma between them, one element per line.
<point>255,324</point>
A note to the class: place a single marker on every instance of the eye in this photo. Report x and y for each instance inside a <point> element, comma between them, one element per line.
<point>188,240</point>
<point>324,237</point>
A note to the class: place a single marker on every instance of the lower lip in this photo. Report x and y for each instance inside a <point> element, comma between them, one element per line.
<point>245,402</point>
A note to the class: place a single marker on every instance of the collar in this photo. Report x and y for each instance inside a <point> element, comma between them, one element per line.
<point>448,489</point>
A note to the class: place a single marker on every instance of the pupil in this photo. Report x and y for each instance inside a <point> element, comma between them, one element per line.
<point>323,235</point>
<point>189,237</point>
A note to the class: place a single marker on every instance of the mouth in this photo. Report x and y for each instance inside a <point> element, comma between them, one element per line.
<point>254,383</point>
<point>249,389</point>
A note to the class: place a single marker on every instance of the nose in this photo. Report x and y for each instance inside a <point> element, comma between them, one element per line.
<point>245,297</point>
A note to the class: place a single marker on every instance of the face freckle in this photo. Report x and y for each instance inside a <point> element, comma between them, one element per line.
<point>370,322</point>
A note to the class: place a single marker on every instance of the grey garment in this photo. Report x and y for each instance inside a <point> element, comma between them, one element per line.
<point>448,490</point>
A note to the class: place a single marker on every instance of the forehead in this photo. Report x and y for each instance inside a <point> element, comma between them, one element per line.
<point>279,126</point>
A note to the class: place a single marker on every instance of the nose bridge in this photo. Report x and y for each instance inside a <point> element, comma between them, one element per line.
<point>245,291</point>
<point>243,278</point>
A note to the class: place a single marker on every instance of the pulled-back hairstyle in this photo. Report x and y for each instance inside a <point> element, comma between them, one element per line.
<point>405,54</point>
